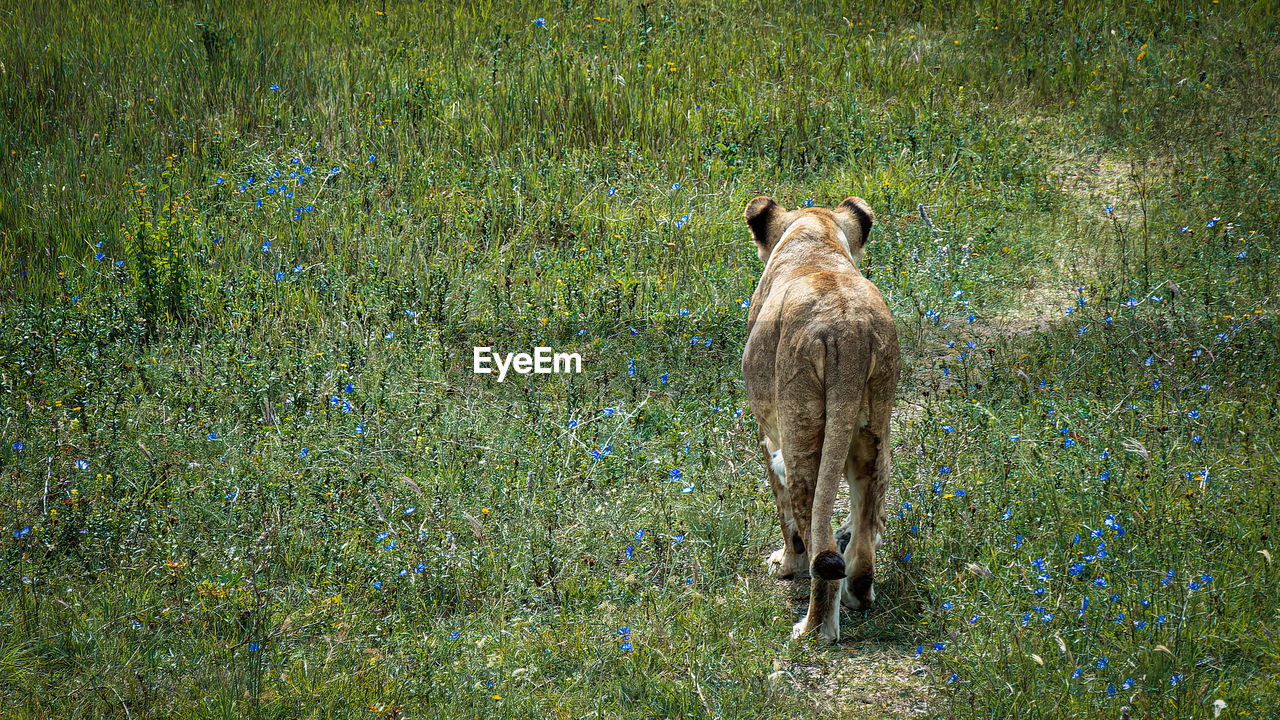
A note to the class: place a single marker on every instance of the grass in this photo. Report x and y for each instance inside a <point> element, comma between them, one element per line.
<point>247,251</point>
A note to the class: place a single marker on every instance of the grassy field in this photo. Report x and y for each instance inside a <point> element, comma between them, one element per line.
<point>246,250</point>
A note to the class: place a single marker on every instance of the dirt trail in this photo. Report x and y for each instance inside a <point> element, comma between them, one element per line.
<point>874,679</point>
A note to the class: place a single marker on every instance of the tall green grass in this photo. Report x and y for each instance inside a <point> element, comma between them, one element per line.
<point>248,470</point>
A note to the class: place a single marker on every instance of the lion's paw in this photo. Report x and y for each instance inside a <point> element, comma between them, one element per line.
<point>775,561</point>
<point>828,631</point>
<point>788,567</point>
<point>852,601</point>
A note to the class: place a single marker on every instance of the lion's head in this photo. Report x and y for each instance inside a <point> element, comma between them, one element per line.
<point>769,221</point>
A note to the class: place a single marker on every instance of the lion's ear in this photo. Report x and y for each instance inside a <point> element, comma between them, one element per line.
<point>762,215</point>
<point>861,213</point>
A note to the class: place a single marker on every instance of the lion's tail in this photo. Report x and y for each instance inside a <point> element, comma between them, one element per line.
<point>841,360</point>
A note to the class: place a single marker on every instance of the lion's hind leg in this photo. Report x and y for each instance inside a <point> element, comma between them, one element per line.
<point>868,471</point>
<point>802,462</point>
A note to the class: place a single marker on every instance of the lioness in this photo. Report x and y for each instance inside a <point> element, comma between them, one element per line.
<point>821,368</point>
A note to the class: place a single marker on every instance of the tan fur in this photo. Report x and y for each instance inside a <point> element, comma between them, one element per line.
<point>821,369</point>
